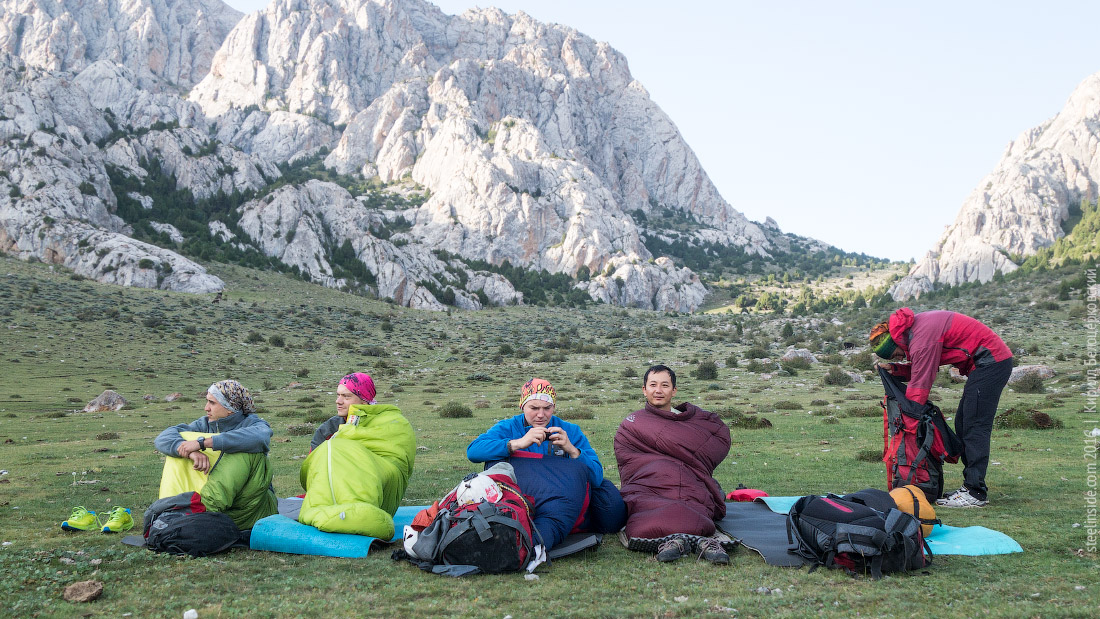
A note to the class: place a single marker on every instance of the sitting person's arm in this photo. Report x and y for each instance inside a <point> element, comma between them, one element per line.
<point>168,442</point>
<point>253,437</point>
<point>493,444</point>
<point>325,431</point>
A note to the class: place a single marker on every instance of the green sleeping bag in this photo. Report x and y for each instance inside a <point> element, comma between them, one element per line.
<point>355,480</point>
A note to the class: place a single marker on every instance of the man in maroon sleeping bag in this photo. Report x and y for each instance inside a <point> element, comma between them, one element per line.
<point>667,458</point>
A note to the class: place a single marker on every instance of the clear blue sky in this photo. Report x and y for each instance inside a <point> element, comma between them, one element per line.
<point>851,121</point>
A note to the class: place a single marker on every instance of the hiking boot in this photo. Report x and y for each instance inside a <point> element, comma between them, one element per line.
<point>961,498</point>
<point>120,521</point>
<point>711,550</point>
<point>81,520</point>
<point>672,549</point>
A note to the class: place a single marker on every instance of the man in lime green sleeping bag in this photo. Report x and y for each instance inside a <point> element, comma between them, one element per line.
<point>355,480</point>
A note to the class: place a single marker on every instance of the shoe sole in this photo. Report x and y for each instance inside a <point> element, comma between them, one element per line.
<point>65,526</point>
<point>109,530</point>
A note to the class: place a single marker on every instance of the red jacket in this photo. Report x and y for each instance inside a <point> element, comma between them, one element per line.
<point>666,465</point>
<point>932,339</point>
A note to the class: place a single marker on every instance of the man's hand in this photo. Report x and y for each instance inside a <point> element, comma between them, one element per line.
<point>200,462</point>
<point>886,365</point>
<point>186,448</point>
<point>558,437</point>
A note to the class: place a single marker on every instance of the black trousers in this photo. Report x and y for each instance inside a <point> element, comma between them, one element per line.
<point>974,421</point>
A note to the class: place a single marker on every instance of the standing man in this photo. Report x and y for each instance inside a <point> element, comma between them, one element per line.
<point>667,456</point>
<point>931,339</point>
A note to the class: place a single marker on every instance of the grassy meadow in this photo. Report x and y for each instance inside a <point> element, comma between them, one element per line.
<point>64,340</point>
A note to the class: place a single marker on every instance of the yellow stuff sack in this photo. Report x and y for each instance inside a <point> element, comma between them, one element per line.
<point>911,500</point>
<point>179,475</point>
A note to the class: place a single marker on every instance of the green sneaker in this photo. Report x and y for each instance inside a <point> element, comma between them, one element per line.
<point>81,520</point>
<point>119,521</point>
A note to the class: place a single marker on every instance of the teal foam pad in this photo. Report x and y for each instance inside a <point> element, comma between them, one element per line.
<point>282,534</point>
<point>944,540</point>
<point>970,541</point>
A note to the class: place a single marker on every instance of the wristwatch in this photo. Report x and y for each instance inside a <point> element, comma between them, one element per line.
<point>202,443</point>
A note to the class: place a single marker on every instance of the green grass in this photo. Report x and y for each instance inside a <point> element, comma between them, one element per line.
<point>66,340</point>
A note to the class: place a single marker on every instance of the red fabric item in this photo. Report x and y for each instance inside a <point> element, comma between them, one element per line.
<point>196,503</point>
<point>939,337</point>
<point>666,464</point>
<point>425,517</point>
<point>745,495</point>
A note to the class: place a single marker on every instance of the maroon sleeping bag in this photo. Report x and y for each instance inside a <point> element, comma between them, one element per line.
<point>666,464</point>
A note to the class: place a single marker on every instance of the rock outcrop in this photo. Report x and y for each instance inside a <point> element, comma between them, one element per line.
<point>168,44</point>
<point>1019,207</point>
<point>56,202</point>
<point>107,401</point>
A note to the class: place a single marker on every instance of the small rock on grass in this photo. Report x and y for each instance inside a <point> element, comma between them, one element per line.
<point>83,591</point>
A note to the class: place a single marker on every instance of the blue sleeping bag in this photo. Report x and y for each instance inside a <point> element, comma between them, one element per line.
<point>559,487</point>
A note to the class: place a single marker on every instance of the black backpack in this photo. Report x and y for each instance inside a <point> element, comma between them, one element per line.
<point>479,538</point>
<point>173,525</point>
<point>847,533</point>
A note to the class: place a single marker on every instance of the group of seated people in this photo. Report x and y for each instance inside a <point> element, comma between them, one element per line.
<point>361,459</point>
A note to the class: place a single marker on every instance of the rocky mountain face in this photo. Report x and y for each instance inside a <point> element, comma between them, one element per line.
<point>532,144</point>
<point>167,44</point>
<point>1019,207</point>
<point>56,202</point>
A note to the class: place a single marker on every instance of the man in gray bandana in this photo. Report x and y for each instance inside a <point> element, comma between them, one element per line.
<point>231,416</point>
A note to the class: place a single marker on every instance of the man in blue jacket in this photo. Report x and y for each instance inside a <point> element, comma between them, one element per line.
<point>538,433</point>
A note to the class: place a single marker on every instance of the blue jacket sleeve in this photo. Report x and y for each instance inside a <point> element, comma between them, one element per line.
<point>168,441</point>
<point>253,438</point>
<point>492,444</point>
<point>588,455</point>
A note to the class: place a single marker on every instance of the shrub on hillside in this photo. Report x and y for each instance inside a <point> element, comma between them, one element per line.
<point>577,414</point>
<point>756,367</point>
<point>747,421</point>
<point>455,410</point>
<point>706,370</point>
<point>797,363</point>
<point>1029,383</point>
<point>869,455</point>
<point>316,415</point>
<point>860,360</point>
<point>787,405</point>
<point>864,411</point>
<point>1031,419</point>
<point>300,429</point>
<point>756,352</point>
<point>837,376</point>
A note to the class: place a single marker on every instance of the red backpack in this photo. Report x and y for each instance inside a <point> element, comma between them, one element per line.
<point>916,441</point>
<point>491,536</point>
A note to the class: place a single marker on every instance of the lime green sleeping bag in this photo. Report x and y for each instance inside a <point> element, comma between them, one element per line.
<point>355,480</point>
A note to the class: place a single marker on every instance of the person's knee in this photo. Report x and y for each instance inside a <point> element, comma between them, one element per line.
<point>606,510</point>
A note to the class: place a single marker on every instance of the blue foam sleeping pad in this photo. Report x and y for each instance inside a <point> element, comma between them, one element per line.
<point>944,540</point>
<point>279,533</point>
